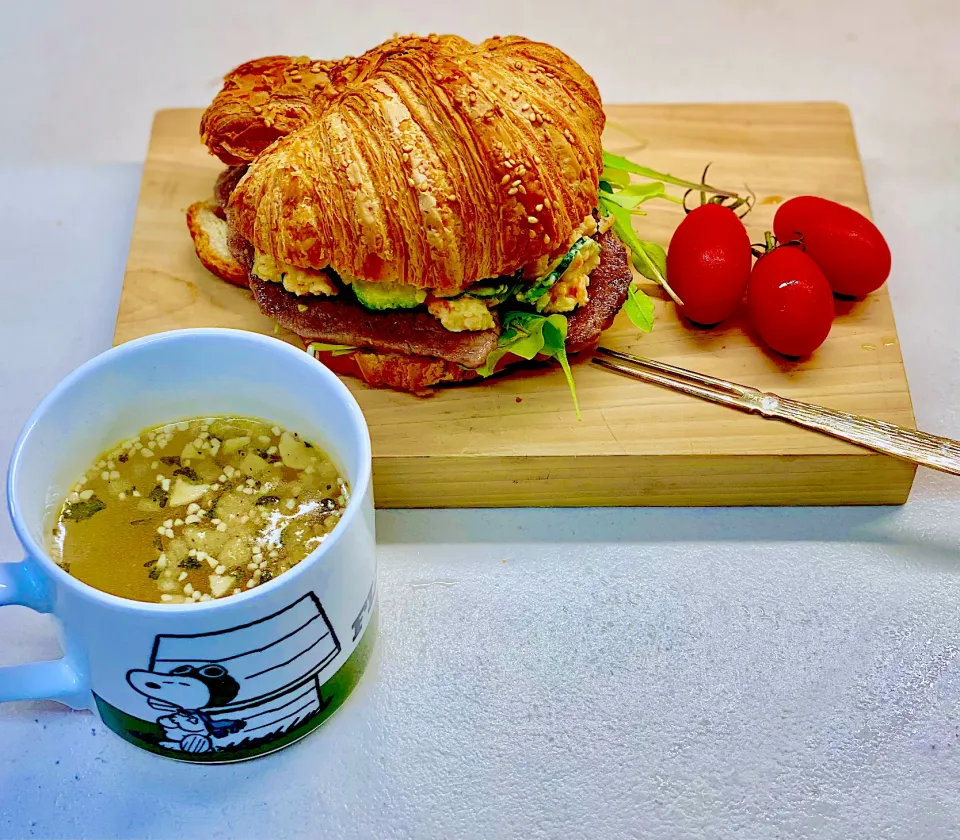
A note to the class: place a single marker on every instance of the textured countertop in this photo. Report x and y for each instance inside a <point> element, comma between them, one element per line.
<point>603,674</point>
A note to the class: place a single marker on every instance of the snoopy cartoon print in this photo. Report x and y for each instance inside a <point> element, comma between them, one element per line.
<point>184,693</point>
<point>239,685</point>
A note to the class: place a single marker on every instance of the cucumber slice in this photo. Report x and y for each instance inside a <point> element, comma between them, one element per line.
<point>494,292</point>
<point>544,284</point>
<point>485,291</point>
<point>387,295</point>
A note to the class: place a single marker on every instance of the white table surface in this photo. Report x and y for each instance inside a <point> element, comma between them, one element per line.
<point>617,673</point>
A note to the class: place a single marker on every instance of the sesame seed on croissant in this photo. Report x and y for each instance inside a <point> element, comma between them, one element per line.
<point>428,161</point>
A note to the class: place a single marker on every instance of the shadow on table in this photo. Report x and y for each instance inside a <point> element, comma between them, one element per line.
<point>877,525</point>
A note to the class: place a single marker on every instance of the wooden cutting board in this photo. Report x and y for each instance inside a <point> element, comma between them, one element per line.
<point>516,441</point>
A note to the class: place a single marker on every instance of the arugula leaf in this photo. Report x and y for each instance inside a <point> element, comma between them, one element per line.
<point>639,309</point>
<point>527,335</point>
<point>653,261</point>
<point>521,334</point>
<point>615,177</point>
<point>336,349</point>
<point>554,342</point>
<point>648,258</point>
<point>620,198</point>
<point>612,161</point>
<point>633,195</point>
<point>627,202</point>
<point>655,189</point>
<point>623,227</point>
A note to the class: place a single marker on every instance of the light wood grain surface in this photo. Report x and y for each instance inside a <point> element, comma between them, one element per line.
<point>515,441</point>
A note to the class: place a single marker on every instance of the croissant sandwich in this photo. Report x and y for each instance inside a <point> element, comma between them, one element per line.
<point>423,214</point>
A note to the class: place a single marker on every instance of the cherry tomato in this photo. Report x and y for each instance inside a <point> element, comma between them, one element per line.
<point>708,263</point>
<point>851,252</point>
<point>789,302</point>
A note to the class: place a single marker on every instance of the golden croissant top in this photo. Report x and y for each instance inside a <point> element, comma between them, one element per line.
<point>428,161</point>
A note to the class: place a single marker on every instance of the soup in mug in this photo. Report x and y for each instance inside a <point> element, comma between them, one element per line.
<point>197,510</point>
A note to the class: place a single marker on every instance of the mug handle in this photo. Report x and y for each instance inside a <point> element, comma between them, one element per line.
<point>54,680</point>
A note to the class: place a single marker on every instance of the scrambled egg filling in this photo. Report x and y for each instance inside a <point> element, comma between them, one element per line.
<point>461,314</point>
<point>300,281</point>
<point>570,291</point>
<point>547,263</point>
<point>468,313</point>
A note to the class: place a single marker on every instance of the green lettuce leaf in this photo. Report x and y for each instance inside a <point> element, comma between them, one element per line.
<point>527,335</point>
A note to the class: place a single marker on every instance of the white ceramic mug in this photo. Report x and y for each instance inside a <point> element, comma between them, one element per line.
<point>290,650</point>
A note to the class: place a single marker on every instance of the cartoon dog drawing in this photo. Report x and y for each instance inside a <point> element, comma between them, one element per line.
<point>249,683</point>
<point>185,692</point>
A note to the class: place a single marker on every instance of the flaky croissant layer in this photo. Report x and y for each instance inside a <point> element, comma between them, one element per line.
<point>428,161</point>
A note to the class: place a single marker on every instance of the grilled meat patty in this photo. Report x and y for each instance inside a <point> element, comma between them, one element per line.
<point>341,320</point>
